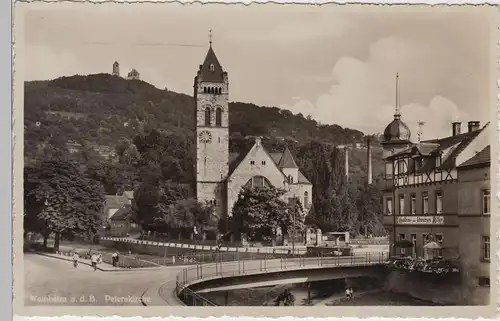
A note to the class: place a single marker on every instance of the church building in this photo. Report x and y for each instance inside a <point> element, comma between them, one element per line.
<point>220,175</point>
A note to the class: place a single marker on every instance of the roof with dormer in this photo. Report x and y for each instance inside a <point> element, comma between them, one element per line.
<point>449,147</point>
<point>206,74</point>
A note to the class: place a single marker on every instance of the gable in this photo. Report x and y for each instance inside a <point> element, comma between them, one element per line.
<point>258,154</point>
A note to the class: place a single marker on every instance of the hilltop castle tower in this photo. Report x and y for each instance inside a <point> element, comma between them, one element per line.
<point>116,69</point>
<point>212,131</point>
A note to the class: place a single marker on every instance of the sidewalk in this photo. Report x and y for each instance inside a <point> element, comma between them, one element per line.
<point>105,267</point>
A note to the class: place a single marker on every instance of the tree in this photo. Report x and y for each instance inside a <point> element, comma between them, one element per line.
<point>65,201</point>
<point>259,211</point>
<point>145,205</point>
<point>186,214</point>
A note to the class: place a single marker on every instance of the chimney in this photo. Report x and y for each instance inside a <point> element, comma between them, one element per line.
<point>456,128</point>
<point>473,126</point>
<point>369,157</point>
<point>346,163</point>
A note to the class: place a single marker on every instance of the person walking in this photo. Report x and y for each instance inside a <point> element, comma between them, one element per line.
<point>76,258</point>
<point>113,259</point>
<point>93,261</point>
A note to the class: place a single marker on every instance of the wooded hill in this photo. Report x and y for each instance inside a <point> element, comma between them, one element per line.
<point>152,131</point>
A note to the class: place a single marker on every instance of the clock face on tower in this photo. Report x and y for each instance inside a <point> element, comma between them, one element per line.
<point>205,136</point>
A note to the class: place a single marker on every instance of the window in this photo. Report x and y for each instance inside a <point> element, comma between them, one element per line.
<point>425,203</point>
<point>483,281</point>
<point>252,162</point>
<point>290,178</point>
<point>485,248</point>
<point>212,67</point>
<point>306,199</point>
<point>413,203</point>
<point>263,162</point>
<point>257,181</point>
<point>439,203</point>
<point>388,206</point>
<point>401,204</point>
<point>218,117</point>
<point>215,202</point>
<point>439,239</point>
<point>438,161</point>
<point>388,170</point>
<point>418,165</point>
<point>401,167</point>
<point>486,202</point>
<point>208,116</point>
<point>425,238</point>
<point>402,237</point>
<point>413,238</point>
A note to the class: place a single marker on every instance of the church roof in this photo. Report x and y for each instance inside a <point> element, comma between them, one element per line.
<point>287,160</point>
<point>236,158</point>
<point>216,74</point>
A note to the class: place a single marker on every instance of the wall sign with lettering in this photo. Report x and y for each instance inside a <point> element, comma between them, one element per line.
<point>420,220</point>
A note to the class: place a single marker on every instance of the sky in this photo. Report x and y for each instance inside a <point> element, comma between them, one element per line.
<point>337,64</point>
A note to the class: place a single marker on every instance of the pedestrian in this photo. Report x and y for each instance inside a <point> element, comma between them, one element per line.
<point>76,258</point>
<point>347,293</point>
<point>113,258</point>
<point>93,261</point>
<point>351,292</point>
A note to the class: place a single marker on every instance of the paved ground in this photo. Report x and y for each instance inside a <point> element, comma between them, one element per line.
<point>51,281</point>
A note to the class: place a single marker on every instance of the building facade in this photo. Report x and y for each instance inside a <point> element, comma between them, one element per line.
<point>474,209</point>
<point>220,175</point>
<point>435,199</point>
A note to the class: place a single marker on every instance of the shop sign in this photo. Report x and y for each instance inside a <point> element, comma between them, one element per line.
<point>420,220</point>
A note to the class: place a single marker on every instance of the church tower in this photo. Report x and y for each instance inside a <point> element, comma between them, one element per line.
<point>212,131</point>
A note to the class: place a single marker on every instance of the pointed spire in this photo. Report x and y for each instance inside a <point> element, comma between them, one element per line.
<point>210,37</point>
<point>287,160</point>
<point>397,113</point>
<point>211,70</point>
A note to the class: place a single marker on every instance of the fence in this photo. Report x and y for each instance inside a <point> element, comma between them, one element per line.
<point>246,266</point>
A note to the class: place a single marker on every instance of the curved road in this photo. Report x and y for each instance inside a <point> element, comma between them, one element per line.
<point>50,281</point>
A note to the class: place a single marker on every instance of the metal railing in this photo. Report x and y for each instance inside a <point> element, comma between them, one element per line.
<point>247,266</point>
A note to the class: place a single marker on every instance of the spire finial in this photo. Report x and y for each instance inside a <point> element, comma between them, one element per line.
<point>210,37</point>
<point>397,113</point>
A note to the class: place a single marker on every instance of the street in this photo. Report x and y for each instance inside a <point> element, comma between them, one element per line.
<point>50,281</point>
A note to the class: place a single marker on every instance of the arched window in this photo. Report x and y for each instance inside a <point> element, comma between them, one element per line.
<point>306,199</point>
<point>220,91</point>
<point>205,90</point>
<point>258,181</point>
<point>212,67</point>
<point>212,91</point>
<point>218,117</point>
<point>208,116</point>
<point>290,178</point>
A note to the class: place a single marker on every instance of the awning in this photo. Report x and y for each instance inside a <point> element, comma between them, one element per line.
<point>432,246</point>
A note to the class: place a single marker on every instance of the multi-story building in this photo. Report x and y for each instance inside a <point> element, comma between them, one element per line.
<point>474,209</point>
<point>436,197</point>
<point>421,201</point>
